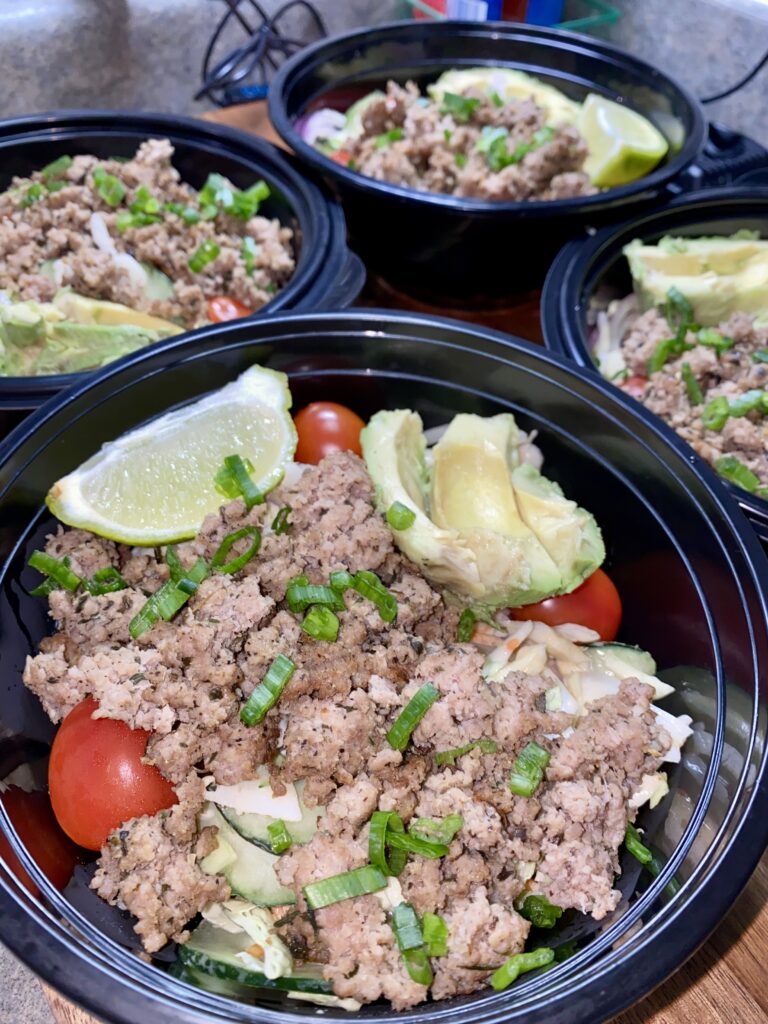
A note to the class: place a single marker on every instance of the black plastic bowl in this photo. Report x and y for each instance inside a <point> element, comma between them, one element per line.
<point>454,248</point>
<point>583,267</point>
<point>691,573</point>
<point>327,275</point>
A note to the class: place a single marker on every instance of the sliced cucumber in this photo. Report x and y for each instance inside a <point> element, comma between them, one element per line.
<point>252,874</point>
<point>214,952</point>
<point>217,986</point>
<point>254,827</point>
<point>633,657</point>
<point>159,286</point>
<point>622,661</point>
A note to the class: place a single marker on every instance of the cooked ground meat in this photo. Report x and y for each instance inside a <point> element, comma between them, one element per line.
<point>411,140</point>
<point>56,227</point>
<point>186,680</point>
<point>730,374</point>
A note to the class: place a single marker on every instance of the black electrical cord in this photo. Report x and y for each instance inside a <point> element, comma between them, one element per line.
<point>755,70</point>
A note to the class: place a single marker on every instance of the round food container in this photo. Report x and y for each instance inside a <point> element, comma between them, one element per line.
<point>583,267</point>
<point>691,574</point>
<point>327,274</point>
<point>445,246</point>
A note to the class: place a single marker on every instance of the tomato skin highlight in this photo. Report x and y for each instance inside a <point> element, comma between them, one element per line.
<point>96,778</point>
<point>595,604</point>
<point>53,852</point>
<point>326,427</point>
<point>635,385</point>
<point>222,308</point>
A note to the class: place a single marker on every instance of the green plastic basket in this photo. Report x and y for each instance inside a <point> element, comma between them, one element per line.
<point>597,14</point>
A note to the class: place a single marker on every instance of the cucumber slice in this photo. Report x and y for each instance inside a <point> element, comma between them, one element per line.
<point>252,874</point>
<point>214,952</point>
<point>217,986</point>
<point>159,286</point>
<point>633,657</point>
<point>254,827</point>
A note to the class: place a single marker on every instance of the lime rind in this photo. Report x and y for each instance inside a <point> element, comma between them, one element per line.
<point>623,145</point>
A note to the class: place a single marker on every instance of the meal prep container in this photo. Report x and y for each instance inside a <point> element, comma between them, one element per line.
<point>691,573</point>
<point>583,267</point>
<point>445,246</point>
<point>327,275</point>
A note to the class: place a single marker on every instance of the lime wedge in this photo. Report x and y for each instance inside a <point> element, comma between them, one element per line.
<point>155,484</point>
<point>623,145</point>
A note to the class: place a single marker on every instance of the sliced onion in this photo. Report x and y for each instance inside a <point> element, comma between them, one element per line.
<point>321,125</point>
<point>105,243</point>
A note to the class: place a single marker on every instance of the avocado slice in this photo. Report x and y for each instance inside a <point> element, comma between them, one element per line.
<point>84,310</point>
<point>22,324</point>
<point>509,84</point>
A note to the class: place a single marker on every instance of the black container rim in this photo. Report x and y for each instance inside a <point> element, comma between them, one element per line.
<point>576,266</point>
<point>84,973</point>
<point>331,223</point>
<point>558,39</point>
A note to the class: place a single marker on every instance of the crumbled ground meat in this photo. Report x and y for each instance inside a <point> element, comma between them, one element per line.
<point>185,681</point>
<point>729,374</point>
<point>56,227</point>
<point>433,151</point>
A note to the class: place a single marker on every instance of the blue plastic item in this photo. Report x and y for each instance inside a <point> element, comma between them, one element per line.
<point>544,12</point>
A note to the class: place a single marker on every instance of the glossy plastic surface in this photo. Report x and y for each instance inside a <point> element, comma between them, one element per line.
<point>440,245</point>
<point>583,267</point>
<point>691,574</point>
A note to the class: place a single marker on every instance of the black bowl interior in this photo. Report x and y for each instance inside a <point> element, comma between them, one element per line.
<point>599,264</point>
<point>690,572</point>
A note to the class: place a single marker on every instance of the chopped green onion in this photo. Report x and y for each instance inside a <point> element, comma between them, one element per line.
<point>678,311</point>
<point>435,931</point>
<point>635,846</point>
<point>447,134</point>
<point>488,136</point>
<point>105,581</point>
<point>279,838</point>
<point>321,624</point>
<point>187,213</point>
<point>566,950</point>
<point>108,187</point>
<point>497,100</point>
<point>461,107</point>
<point>144,209</point>
<point>460,159</point>
<point>281,523</point>
<point>417,964</point>
<point>352,164</point>
<point>714,339</point>
<point>413,712</point>
<point>173,562</point>
<point>731,468</point>
<point>170,597</point>
<point>345,886</point>
<point>520,964</point>
<point>466,626</point>
<point>56,168</point>
<point>206,253</point>
<point>436,831</point>
<point>451,756</point>
<point>56,570</point>
<point>668,349</point>
<point>233,480</point>
<point>383,824</point>
<point>341,580</point>
<point>56,185</point>
<point>395,135</point>
<point>217,194</point>
<point>248,252</point>
<point>410,942</point>
<point>412,844</point>
<point>540,912</point>
<point>267,693</point>
<point>399,516</point>
<point>300,596</point>
<point>236,564</point>
<point>715,413</point>
<point>754,400</point>
<point>528,769</point>
<point>370,586</point>
<point>695,394</point>
<point>493,142</point>
<point>655,866</point>
<point>32,195</point>
<point>760,356</point>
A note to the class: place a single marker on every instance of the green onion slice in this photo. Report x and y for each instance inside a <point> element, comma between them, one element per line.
<point>381,141</point>
<point>714,339</point>
<point>760,356</point>
<point>412,844</point>
<point>219,563</point>
<point>433,830</point>
<point>217,194</point>
<point>370,586</point>
<point>341,580</point>
<point>206,253</point>
<point>520,964</point>
<point>56,168</point>
<point>279,838</point>
<point>399,516</point>
<point>300,596</point>
<point>382,825</point>
<point>321,624</point>
<point>108,187</point>
<point>267,693</point>
<point>466,626</point>
<point>715,413</point>
<point>692,386</point>
<point>413,712</point>
<point>540,912</point>
<point>345,886</point>
<point>31,195</point>
<point>528,769</point>
<point>105,581</point>
<point>57,571</point>
<point>755,400</point>
<point>233,480</point>
<point>497,100</point>
<point>634,845</point>
<point>655,866</point>
<point>281,523</point>
<point>248,252</point>
<point>678,311</point>
<point>187,213</point>
<point>733,469</point>
<point>435,931</point>
<point>417,964</point>
<point>461,107</point>
<point>410,942</point>
<point>451,756</point>
<point>668,349</point>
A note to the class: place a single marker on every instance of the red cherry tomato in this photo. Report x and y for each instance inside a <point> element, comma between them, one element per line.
<point>33,819</point>
<point>96,777</point>
<point>341,156</point>
<point>595,604</point>
<point>325,427</point>
<point>635,385</point>
<point>222,308</point>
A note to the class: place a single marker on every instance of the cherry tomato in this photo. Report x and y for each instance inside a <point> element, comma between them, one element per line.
<point>325,427</point>
<point>96,777</point>
<point>635,385</point>
<point>32,817</point>
<point>222,308</point>
<point>341,156</point>
<point>595,604</point>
